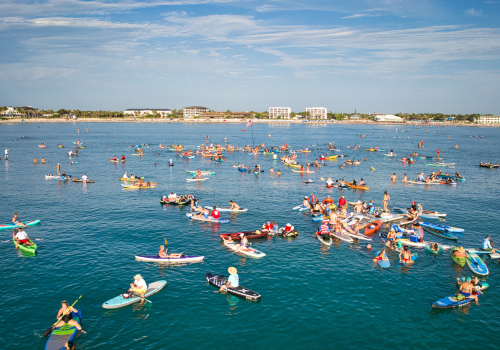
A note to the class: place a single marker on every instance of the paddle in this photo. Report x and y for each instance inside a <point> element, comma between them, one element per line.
<point>137,295</point>
<point>48,331</point>
<point>471,259</point>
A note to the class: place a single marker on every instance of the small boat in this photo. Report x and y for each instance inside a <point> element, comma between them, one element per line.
<point>75,179</point>
<point>457,260</point>
<point>25,248</point>
<point>121,300</point>
<point>235,236</point>
<point>219,280</point>
<point>61,335</point>
<point>177,260</point>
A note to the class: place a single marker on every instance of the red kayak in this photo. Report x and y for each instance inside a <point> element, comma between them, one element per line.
<point>235,236</point>
<point>373,227</point>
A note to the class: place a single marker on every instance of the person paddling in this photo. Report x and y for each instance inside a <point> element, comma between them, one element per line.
<point>22,238</point>
<point>139,286</point>
<point>66,315</point>
<point>232,281</point>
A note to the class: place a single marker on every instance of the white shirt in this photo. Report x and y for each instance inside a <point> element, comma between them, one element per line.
<point>84,178</point>
<point>172,196</point>
<point>6,151</point>
<point>125,176</point>
<point>21,235</point>
<point>141,284</point>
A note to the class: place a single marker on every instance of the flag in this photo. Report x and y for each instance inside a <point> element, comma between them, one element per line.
<point>249,123</point>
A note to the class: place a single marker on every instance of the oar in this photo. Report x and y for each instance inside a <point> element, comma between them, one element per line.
<point>471,259</point>
<point>48,331</point>
<point>137,295</point>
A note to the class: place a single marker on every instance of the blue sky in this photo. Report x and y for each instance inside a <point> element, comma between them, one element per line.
<point>384,56</point>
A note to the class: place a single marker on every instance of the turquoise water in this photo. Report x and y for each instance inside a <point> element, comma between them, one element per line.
<point>312,296</point>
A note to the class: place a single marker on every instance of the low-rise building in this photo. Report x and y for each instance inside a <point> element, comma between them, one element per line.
<point>488,119</point>
<point>317,112</point>
<point>140,112</point>
<point>194,111</point>
<point>224,115</point>
<point>387,118</point>
<point>283,112</point>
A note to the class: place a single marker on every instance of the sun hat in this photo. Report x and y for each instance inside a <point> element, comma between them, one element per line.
<point>232,270</point>
<point>137,277</point>
<point>359,202</point>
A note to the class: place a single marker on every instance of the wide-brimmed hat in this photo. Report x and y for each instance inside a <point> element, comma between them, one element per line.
<point>232,270</point>
<point>138,277</point>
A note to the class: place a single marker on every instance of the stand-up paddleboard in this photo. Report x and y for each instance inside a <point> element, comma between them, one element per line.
<point>61,335</point>
<point>383,263</point>
<point>357,236</point>
<point>413,257</point>
<point>193,179</point>
<point>180,260</point>
<point>194,217</point>
<point>120,301</point>
<point>254,253</point>
<point>325,240</point>
<point>476,264</point>
<point>451,302</point>
<point>227,209</point>
<point>27,223</point>
<point>219,280</point>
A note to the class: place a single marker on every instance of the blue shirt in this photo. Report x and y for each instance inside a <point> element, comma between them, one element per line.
<point>487,244</point>
<point>234,280</point>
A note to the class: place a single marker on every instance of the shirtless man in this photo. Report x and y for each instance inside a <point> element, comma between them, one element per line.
<point>358,208</point>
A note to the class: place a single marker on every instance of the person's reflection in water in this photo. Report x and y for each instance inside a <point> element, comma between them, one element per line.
<point>232,301</point>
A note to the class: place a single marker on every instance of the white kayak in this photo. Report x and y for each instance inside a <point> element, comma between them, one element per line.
<point>195,217</point>
<point>194,179</point>
<point>227,209</point>
<point>407,242</point>
<point>120,301</point>
<point>180,260</point>
<point>254,253</point>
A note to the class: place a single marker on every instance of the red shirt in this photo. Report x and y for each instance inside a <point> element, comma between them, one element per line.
<point>342,202</point>
<point>216,214</point>
<point>269,227</point>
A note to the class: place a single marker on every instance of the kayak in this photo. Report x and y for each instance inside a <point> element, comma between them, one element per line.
<point>114,161</point>
<point>303,171</point>
<point>25,249</point>
<point>78,180</point>
<point>220,221</point>
<point>441,227</point>
<point>120,301</point>
<point>325,240</point>
<point>373,227</point>
<point>181,260</point>
<point>235,236</point>
<point>129,179</point>
<point>406,241</point>
<point>476,264</point>
<point>57,177</point>
<point>294,165</point>
<point>153,185</point>
<point>244,170</point>
<point>413,257</point>
<point>429,250</point>
<point>350,185</point>
<point>457,260</point>
<point>193,179</point>
<point>61,335</point>
<point>221,209</point>
<point>254,253</point>
<point>442,234</point>
<point>219,280</point>
<point>383,263</point>
<point>421,182</point>
<point>451,302</point>
<point>390,155</point>
<point>27,223</point>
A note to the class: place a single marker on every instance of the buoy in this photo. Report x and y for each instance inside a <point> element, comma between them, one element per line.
<point>372,168</point>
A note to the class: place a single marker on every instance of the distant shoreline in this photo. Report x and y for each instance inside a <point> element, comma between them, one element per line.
<point>234,121</point>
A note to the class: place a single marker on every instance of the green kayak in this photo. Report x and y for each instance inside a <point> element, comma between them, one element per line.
<point>26,249</point>
<point>459,261</point>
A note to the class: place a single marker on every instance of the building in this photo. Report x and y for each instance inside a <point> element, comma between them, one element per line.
<point>317,112</point>
<point>488,119</point>
<point>11,112</point>
<point>140,112</point>
<point>194,111</point>
<point>387,118</point>
<point>355,117</point>
<point>283,112</point>
<point>224,115</point>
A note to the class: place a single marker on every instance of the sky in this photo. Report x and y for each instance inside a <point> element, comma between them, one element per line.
<point>385,56</point>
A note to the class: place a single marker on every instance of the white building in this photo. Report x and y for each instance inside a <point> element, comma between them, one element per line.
<point>283,112</point>
<point>11,112</point>
<point>488,119</point>
<point>317,112</point>
<point>140,112</point>
<point>194,111</point>
<point>387,118</point>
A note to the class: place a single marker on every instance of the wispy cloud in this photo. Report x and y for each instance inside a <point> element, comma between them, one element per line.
<point>359,15</point>
<point>473,12</point>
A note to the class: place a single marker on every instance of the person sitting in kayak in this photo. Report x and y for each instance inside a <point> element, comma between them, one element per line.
<point>125,176</point>
<point>215,213</point>
<point>233,205</point>
<point>22,238</point>
<point>232,281</point>
<point>163,253</point>
<point>139,286</point>
<point>329,182</point>
<point>16,221</point>
<point>115,158</point>
<point>268,226</point>
<point>467,290</point>
<point>459,253</point>
<point>381,256</point>
<point>123,157</point>
<point>405,256</point>
<point>487,245</point>
<point>84,177</point>
<point>67,311</point>
<point>358,208</point>
<point>361,183</point>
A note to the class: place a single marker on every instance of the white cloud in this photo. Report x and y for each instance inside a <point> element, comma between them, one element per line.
<point>473,12</point>
<point>266,8</point>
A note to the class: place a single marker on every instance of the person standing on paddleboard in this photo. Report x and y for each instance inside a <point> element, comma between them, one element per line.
<point>386,200</point>
<point>233,281</point>
<point>139,286</point>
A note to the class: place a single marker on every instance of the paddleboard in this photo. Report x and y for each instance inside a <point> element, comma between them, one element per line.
<point>193,179</point>
<point>181,260</point>
<point>27,223</point>
<point>210,219</point>
<point>414,257</point>
<point>63,334</point>
<point>383,263</point>
<point>219,280</point>
<point>120,301</point>
<point>325,240</point>
<point>476,264</point>
<point>227,209</point>
<point>254,253</point>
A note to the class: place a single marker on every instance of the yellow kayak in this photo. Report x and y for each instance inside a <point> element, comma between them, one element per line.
<point>294,165</point>
<point>331,157</point>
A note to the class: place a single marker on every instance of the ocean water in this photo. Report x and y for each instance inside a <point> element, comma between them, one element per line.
<point>313,296</point>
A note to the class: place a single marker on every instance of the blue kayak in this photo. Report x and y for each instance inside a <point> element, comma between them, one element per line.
<point>61,335</point>
<point>441,227</point>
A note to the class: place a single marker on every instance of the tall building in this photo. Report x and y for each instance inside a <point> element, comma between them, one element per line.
<point>194,111</point>
<point>317,112</point>
<point>283,112</point>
